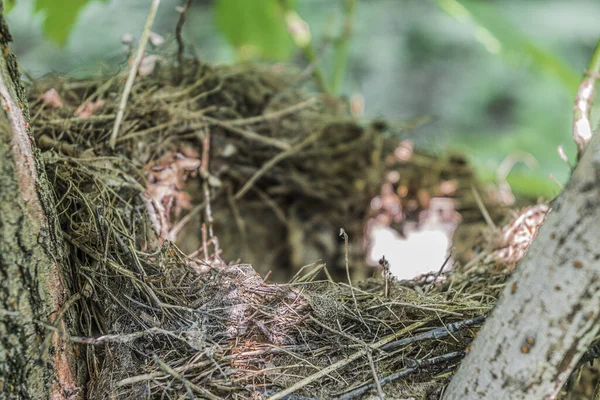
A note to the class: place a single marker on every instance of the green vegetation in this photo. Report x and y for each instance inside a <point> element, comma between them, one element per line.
<point>256,29</point>
<point>59,19</point>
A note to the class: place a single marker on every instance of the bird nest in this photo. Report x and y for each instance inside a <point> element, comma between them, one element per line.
<point>213,165</point>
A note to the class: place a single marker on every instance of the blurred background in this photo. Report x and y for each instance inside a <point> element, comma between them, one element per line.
<point>494,79</point>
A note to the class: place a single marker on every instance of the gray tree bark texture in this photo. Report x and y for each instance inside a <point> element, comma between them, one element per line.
<point>35,360</point>
<point>549,312</point>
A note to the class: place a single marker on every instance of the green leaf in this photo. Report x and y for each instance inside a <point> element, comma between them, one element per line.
<point>529,184</point>
<point>499,35</point>
<point>256,28</point>
<point>8,5</point>
<point>60,18</point>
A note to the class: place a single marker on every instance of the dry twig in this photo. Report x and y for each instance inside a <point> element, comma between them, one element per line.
<point>133,72</point>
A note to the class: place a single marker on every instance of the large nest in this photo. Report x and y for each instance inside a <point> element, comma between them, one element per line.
<point>286,171</point>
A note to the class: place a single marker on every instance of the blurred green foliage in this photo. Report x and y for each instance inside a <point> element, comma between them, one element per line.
<point>256,28</point>
<point>536,134</point>
<point>271,29</point>
<point>59,19</point>
<point>499,35</point>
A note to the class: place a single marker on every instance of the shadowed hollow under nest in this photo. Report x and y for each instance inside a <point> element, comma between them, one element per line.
<point>241,163</point>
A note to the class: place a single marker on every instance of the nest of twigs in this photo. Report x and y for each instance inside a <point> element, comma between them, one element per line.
<point>240,162</point>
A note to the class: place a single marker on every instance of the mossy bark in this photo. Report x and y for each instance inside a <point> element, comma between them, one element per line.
<point>35,359</point>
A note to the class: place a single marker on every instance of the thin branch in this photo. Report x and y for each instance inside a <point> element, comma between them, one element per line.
<point>178,30</point>
<point>133,72</point>
<point>187,384</point>
<point>337,332</point>
<point>486,215</point>
<point>375,377</point>
<point>205,176</point>
<point>276,114</point>
<point>401,374</point>
<point>271,163</point>
<point>582,126</point>
<point>246,134</point>
<point>345,236</point>
<point>437,333</point>
<point>342,363</point>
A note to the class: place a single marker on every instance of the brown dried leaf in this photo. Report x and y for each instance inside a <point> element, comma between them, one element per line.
<point>518,235</point>
<point>166,183</point>
<point>51,98</point>
<point>88,108</point>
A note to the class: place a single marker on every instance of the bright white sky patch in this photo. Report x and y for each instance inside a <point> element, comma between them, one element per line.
<point>421,252</point>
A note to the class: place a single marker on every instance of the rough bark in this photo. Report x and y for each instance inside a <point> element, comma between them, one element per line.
<point>34,357</point>
<point>549,312</point>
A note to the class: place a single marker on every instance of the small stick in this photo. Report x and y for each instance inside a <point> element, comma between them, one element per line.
<point>557,183</point>
<point>582,126</point>
<point>340,332</point>
<point>184,221</point>
<point>340,364</point>
<point>275,114</point>
<point>187,384</point>
<point>345,236</point>
<point>267,277</point>
<point>205,244</point>
<point>415,306</point>
<point>400,374</point>
<point>375,377</point>
<point>133,72</point>
<point>484,211</point>
<point>444,264</point>
<point>204,175</point>
<point>271,163</point>
<point>178,29</point>
<point>120,338</point>
<point>386,274</point>
<point>439,272</point>
<point>248,135</point>
<point>436,333</point>
<point>205,155</point>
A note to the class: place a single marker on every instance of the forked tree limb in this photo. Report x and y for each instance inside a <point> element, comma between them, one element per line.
<point>549,311</point>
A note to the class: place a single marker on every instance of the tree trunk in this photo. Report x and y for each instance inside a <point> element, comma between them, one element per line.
<point>549,312</point>
<point>34,358</point>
